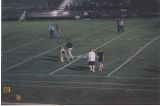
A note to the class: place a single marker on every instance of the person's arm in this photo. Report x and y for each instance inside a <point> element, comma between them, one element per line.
<point>73,49</point>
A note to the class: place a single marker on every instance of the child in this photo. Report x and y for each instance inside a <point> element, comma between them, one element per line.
<point>63,54</point>
<point>91,60</point>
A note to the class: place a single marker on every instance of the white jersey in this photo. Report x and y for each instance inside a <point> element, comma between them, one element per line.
<point>91,56</point>
<point>121,22</point>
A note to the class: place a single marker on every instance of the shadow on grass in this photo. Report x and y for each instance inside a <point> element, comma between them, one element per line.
<point>155,69</point>
<point>79,68</point>
<point>5,37</point>
<point>51,58</point>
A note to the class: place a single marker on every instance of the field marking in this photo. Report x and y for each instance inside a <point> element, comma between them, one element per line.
<point>89,83</point>
<point>108,42</point>
<point>7,51</point>
<point>129,59</point>
<point>12,103</point>
<point>152,78</point>
<point>72,87</point>
<point>31,58</point>
<point>41,54</point>
<point>10,38</point>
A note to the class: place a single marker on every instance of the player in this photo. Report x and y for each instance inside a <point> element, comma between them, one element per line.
<point>91,60</point>
<point>51,30</point>
<point>57,31</point>
<point>121,24</point>
<point>69,47</point>
<point>118,25</point>
<point>100,59</point>
<point>63,54</point>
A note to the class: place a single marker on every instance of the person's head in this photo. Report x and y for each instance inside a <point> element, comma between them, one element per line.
<point>91,49</point>
<point>99,50</point>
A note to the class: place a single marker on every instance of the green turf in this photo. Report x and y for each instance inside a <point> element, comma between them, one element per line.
<point>75,83</point>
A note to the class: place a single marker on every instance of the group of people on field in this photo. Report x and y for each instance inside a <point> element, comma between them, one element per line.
<point>66,51</point>
<point>93,57</point>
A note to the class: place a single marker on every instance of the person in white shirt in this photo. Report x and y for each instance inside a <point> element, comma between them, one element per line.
<point>63,54</point>
<point>91,60</point>
<point>121,25</point>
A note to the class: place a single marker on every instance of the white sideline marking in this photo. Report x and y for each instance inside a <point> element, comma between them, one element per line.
<point>72,87</point>
<point>39,55</point>
<point>22,46</point>
<point>133,56</point>
<point>31,58</point>
<point>79,76</point>
<point>96,49</point>
<point>12,103</point>
<point>63,67</point>
<point>89,83</point>
<point>24,74</point>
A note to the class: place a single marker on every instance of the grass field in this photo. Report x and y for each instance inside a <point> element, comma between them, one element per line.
<point>32,69</point>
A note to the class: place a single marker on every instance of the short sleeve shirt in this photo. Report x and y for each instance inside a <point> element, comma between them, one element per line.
<point>92,56</point>
<point>100,55</point>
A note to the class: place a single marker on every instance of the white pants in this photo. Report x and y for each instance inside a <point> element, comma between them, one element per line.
<point>70,53</point>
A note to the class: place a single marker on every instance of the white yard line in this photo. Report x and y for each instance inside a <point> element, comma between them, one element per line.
<point>7,51</point>
<point>129,59</point>
<point>94,76</point>
<point>88,83</point>
<point>100,88</point>
<point>24,74</point>
<point>31,58</point>
<point>106,43</point>
<point>12,103</point>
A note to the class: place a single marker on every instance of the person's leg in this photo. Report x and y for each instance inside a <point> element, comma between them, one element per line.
<point>93,67</point>
<point>122,28</point>
<point>51,33</point>
<point>70,53</point>
<point>102,65</point>
<point>118,28</point>
<point>62,58</point>
<point>90,66</point>
<point>67,57</point>
<point>99,65</point>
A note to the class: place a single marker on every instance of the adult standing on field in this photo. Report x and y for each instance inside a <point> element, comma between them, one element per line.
<point>91,60</point>
<point>118,24</point>
<point>57,31</point>
<point>51,30</point>
<point>121,23</point>
<point>100,59</point>
<point>69,47</point>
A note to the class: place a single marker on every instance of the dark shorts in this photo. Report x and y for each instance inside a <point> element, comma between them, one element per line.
<point>91,63</point>
<point>63,52</point>
<point>100,61</point>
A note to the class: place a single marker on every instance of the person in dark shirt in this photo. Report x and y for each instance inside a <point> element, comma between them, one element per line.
<point>118,24</point>
<point>100,59</point>
<point>69,47</point>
